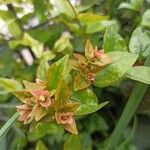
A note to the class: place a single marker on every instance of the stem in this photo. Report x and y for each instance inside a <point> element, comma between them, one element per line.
<point>129,111</point>
<point>76,16</point>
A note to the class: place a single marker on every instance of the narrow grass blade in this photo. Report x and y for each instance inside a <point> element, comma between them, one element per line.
<point>8,124</point>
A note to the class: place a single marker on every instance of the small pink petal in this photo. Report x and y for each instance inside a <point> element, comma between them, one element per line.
<point>46,103</point>
<point>98,53</point>
<point>22,107</point>
<point>24,112</point>
<point>36,93</point>
<point>65,118</point>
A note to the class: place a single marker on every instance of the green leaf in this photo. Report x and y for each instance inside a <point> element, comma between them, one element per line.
<point>113,41</point>
<point>100,26</point>
<point>10,84</point>
<point>146,19</point>
<point>113,72</point>
<point>40,9</point>
<point>36,47</point>
<point>48,55</point>
<point>89,51</point>
<point>42,69</point>
<point>64,7</point>
<point>74,27</point>
<point>39,113</point>
<point>126,6</point>
<point>91,18</point>
<point>133,5</point>
<point>86,109</point>
<point>140,42</point>
<point>6,57</point>
<point>19,142</point>
<point>46,35</point>
<point>88,101</point>
<point>86,96</point>
<point>6,127</point>
<point>40,146</point>
<point>140,73</point>
<point>93,22</point>
<point>22,95</point>
<point>55,72</point>
<point>43,129</point>
<point>62,93</point>
<point>63,44</point>
<point>11,22</point>
<point>87,5</point>
<point>116,55</point>
<point>72,143</point>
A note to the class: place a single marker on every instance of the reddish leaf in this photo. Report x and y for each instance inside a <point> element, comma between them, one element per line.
<point>40,113</point>
<point>79,57</point>
<point>74,64</point>
<point>71,127</point>
<point>81,82</point>
<point>70,107</point>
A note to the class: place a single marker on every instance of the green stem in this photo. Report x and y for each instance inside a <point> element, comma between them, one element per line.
<point>129,111</point>
<point>74,11</point>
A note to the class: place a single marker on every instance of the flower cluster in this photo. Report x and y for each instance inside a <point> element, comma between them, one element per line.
<point>50,100</point>
<point>40,103</point>
<point>88,66</point>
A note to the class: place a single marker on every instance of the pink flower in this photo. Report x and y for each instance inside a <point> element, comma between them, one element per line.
<point>65,118</point>
<point>24,112</point>
<point>42,97</point>
<point>97,54</point>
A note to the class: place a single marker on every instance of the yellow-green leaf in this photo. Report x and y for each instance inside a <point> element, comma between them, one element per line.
<point>55,72</point>
<point>40,146</point>
<point>62,93</point>
<point>10,84</point>
<point>113,72</point>
<point>139,73</point>
<point>73,143</point>
<point>90,18</point>
<point>22,95</point>
<point>11,22</point>
<point>113,41</point>
<point>27,40</point>
<point>89,51</point>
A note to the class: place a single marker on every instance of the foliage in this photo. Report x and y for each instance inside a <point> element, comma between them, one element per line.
<point>67,68</point>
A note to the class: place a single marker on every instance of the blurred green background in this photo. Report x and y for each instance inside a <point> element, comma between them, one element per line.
<point>32,31</point>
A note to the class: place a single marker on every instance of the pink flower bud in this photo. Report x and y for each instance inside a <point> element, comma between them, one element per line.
<point>65,118</point>
<point>24,112</point>
<point>97,54</point>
